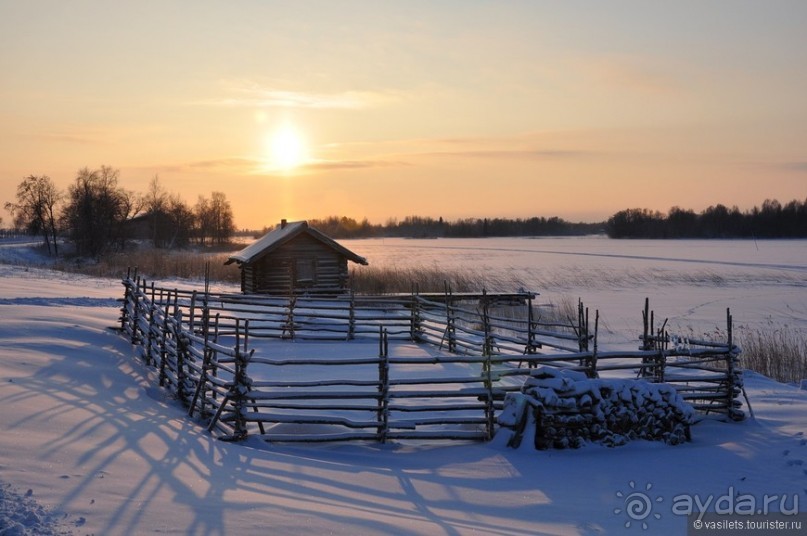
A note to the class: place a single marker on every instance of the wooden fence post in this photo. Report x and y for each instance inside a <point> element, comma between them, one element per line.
<point>183,342</point>
<point>240,388</point>
<point>135,315</point>
<point>591,371</point>
<point>531,346</point>
<point>150,337</point>
<point>414,325</point>
<point>647,338</point>
<point>733,383</point>
<point>490,416</point>
<point>163,344</point>
<point>290,318</point>
<point>487,345</point>
<point>192,313</point>
<point>662,340</point>
<point>351,323</point>
<point>451,332</point>
<point>124,313</point>
<point>382,415</point>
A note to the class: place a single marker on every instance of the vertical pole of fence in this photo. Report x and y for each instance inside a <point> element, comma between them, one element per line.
<point>487,346</point>
<point>135,305</point>
<point>582,330</point>
<point>732,384</point>
<point>176,329</point>
<point>414,326</point>
<point>487,352</point>
<point>163,344</point>
<point>240,387</point>
<point>214,356</point>
<point>135,313</point>
<point>124,312</point>
<point>150,337</point>
<point>592,368</point>
<point>382,416</point>
<point>647,342</point>
<point>290,316</point>
<point>579,325</point>
<point>530,329</point>
<point>489,411</point>
<point>192,313</point>
<point>176,300</point>
<point>182,349</point>
<point>451,332</point>
<point>201,381</point>
<point>645,325</point>
<point>351,323</point>
<point>662,341</point>
<point>586,331</point>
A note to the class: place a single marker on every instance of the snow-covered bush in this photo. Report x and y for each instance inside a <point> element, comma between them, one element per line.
<point>565,409</point>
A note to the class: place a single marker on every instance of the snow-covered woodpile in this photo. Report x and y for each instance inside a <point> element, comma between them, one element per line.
<point>566,409</point>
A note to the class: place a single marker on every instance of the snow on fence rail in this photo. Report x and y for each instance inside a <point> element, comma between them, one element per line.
<point>200,344</point>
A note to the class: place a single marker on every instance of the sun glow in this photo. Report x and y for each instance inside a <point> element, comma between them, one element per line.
<point>286,149</point>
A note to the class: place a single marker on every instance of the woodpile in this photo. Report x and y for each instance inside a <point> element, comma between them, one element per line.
<point>566,409</point>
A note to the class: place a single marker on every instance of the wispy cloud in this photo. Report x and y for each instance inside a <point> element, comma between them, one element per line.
<point>520,154</point>
<point>256,166</point>
<point>75,139</point>
<point>237,165</point>
<point>800,166</point>
<point>526,146</point>
<point>335,165</point>
<point>250,94</point>
<point>634,74</point>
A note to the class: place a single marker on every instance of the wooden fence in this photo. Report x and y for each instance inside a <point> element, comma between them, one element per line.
<point>213,352</point>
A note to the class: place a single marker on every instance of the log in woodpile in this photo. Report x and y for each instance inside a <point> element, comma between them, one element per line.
<point>565,409</point>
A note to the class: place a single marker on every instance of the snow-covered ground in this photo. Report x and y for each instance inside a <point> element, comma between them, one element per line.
<point>689,282</point>
<point>90,445</point>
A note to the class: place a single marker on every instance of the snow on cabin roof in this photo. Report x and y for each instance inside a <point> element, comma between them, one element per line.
<point>282,234</point>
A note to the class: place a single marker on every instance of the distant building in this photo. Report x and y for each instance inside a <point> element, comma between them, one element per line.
<point>294,259</point>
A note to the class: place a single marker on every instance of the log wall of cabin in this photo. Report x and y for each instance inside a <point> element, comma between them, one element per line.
<point>278,272</point>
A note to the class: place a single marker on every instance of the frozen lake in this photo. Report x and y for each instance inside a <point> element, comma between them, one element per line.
<point>690,282</point>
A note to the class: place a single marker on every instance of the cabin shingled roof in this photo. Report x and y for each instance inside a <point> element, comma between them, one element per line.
<point>283,234</point>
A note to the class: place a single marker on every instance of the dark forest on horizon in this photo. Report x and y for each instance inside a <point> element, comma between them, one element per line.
<point>771,220</point>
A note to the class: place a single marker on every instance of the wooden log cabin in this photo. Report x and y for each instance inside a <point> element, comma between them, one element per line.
<point>294,259</point>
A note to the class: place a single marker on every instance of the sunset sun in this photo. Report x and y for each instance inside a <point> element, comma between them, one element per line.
<point>286,149</point>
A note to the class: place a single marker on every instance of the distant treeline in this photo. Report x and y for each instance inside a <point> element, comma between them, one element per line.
<point>424,227</point>
<point>772,220</point>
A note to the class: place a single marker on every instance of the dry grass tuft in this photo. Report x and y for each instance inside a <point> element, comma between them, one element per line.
<point>157,264</point>
<point>778,352</point>
<point>385,280</point>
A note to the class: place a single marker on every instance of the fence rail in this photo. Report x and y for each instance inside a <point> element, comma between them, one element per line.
<point>212,351</point>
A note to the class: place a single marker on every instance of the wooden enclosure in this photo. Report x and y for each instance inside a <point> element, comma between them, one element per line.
<point>294,259</point>
<point>215,352</point>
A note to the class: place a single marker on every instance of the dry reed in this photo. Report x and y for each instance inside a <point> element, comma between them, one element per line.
<point>778,352</point>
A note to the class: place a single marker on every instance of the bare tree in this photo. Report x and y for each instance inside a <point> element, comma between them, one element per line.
<point>97,210</point>
<point>181,221</point>
<point>214,217</point>
<point>35,209</point>
<point>224,224</point>
<point>204,223</point>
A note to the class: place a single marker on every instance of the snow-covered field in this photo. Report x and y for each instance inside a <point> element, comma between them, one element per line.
<point>689,282</point>
<point>90,445</point>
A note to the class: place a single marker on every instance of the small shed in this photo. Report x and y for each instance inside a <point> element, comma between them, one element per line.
<point>294,259</point>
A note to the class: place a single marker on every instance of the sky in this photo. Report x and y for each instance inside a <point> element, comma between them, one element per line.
<point>382,110</point>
